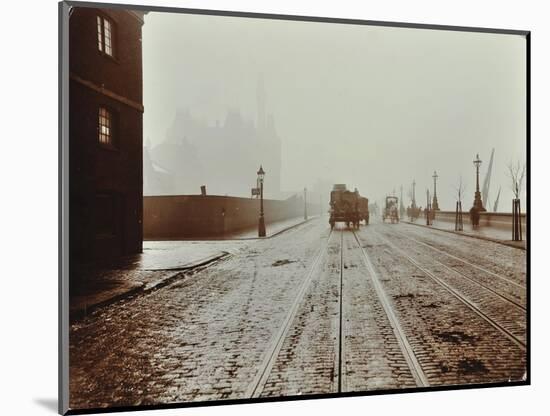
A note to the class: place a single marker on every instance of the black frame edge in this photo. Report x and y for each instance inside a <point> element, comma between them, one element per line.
<point>300,18</point>
<point>63,208</point>
<point>528,196</point>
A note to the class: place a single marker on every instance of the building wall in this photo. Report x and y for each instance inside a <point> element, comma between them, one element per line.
<point>105,182</point>
<point>121,74</point>
<point>196,216</point>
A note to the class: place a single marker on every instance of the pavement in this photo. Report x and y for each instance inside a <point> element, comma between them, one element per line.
<point>494,234</point>
<point>160,263</point>
<point>271,230</point>
<point>312,311</point>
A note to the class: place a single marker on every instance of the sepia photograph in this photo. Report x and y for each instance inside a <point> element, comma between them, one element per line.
<point>265,207</point>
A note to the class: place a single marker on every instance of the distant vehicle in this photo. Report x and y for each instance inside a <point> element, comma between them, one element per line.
<point>374,209</point>
<point>364,210</point>
<point>344,206</point>
<point>391,210</point>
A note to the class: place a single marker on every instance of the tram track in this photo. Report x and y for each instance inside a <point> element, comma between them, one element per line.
<point>341,334</point>
<point>278,348</point>
<point>505,297</point>
<point>483,315</point>
<point>416,369</point>
<point>350,356</point>
<point>256,386</point>
<point>463,261</point>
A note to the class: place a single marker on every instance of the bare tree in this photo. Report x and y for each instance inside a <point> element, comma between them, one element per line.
<point>516,172</point>
<point>460,190</point>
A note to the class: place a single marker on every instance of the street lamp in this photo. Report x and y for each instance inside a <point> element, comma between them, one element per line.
<point>413,203</point>
<point>478,203</point>
<point>435,205</point>
<point>261,223</point>
<point>428,209</point>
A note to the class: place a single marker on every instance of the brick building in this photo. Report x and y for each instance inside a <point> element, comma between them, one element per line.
<point>105,133</point>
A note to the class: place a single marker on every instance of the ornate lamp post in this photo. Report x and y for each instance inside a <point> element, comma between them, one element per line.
<point>413,203</point>
<point>428,209</point>
<point>435,205</point>
<point>261,223</point>
<point>478,203</point>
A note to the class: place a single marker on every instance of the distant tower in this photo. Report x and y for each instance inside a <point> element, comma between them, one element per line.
<point>495,208</point>
<point>261,103</point>
<point>269,141</point>
<point>487,181</point>
<point>274,148</point>
<point>435,204</point>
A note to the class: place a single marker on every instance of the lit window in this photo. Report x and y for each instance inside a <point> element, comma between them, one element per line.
<point>105,126</point>
<point>99,34</point>
<point>105,35</point>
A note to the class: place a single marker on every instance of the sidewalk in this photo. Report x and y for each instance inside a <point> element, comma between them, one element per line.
<point>159,264</point>
<point>497,235</point>
<point>271,229</point>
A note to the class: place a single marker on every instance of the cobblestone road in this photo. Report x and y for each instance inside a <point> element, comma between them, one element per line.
<point>303,310</point>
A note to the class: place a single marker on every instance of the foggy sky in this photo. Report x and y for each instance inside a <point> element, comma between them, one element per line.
<point>372,107</point>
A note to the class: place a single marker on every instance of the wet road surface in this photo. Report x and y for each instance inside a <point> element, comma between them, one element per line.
<point>312,311</point>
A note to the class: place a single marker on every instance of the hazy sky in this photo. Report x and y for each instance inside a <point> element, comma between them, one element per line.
<point>372,107</point>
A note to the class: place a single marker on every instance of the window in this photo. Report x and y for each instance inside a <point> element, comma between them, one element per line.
<point>104,35</point>
<point>105,126</point>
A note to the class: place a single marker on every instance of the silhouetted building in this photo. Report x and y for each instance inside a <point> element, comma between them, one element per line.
<point>223,155</point>
<point>156,179</point>
<point>105,133</point>
<point>270,142</point>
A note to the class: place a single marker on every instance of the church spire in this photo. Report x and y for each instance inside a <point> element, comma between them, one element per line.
<point>261,103</point>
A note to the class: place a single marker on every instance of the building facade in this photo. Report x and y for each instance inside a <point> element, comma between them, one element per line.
<point>105,133</point>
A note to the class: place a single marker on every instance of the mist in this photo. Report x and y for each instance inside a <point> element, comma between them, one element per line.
<point>318,103</point>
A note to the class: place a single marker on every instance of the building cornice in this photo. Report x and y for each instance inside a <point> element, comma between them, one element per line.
<point>139,15</point>
<point>108,93</point>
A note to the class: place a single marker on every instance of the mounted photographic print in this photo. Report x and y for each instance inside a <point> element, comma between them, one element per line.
<point>264,207</point>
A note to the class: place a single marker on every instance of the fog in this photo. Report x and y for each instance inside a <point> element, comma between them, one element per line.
<point>319,103</point>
